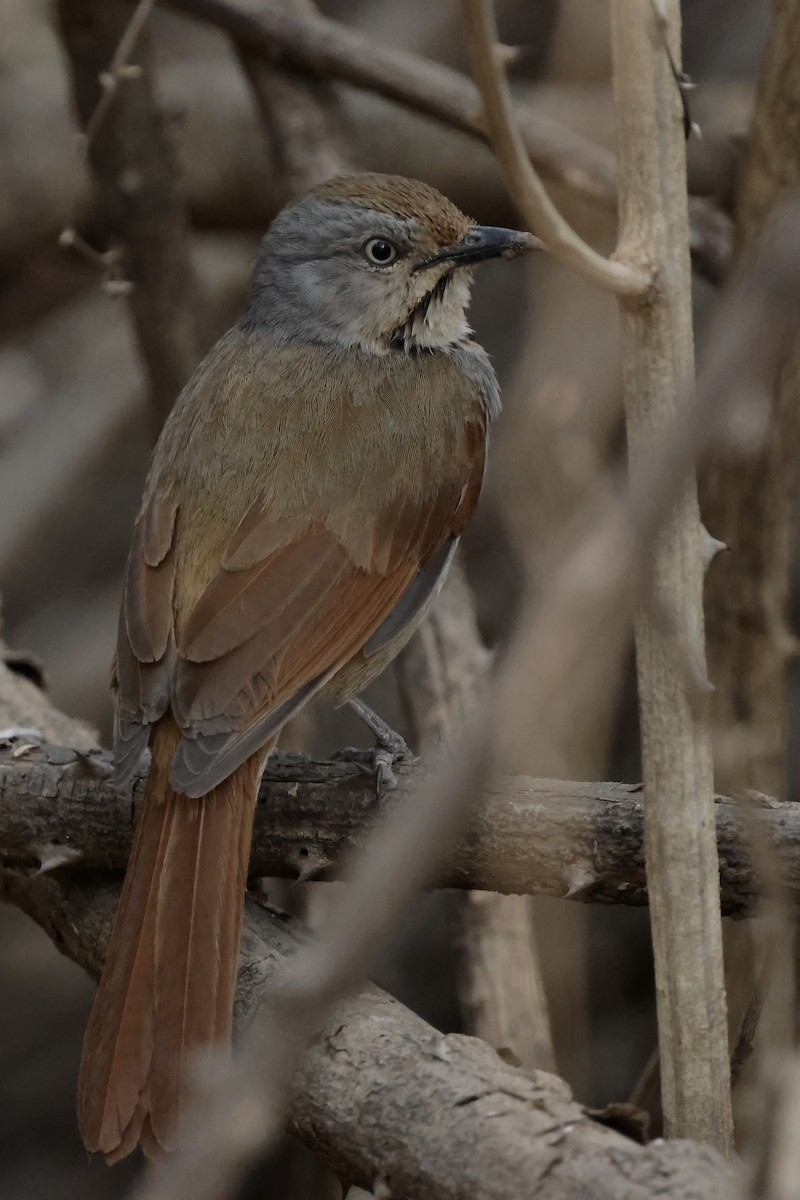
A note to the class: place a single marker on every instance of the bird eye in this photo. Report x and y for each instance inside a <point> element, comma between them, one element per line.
<point>380,252</point>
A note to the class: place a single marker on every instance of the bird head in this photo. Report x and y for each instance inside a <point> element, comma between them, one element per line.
<point>375,262</point>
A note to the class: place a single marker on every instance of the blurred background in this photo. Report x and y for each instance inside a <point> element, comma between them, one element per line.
<point>76,428</point>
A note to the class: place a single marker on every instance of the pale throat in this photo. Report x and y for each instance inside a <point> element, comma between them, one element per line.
<point>439,318</point>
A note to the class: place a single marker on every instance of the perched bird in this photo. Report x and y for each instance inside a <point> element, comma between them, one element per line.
<point>303,502</point>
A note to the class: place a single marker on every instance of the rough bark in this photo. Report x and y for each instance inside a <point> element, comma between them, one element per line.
<point>579,841</point>
<point>383,1094</point>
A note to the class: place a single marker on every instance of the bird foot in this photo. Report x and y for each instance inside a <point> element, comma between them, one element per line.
<point>378,762</point>
<point>391,749</point>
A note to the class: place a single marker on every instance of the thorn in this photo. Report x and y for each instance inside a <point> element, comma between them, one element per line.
<point>710,547</point>
<point>67,237</point>
<point>309,864</point>
<point>506,55</point>
<point>93,763</point>
<point>53,857</point>
<point>579,880</point>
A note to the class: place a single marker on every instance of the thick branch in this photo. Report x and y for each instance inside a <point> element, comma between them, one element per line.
<point>382,1093</point>
<point>581,841</point>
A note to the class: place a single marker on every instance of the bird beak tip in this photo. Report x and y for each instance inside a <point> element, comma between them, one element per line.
<point>523,243</point>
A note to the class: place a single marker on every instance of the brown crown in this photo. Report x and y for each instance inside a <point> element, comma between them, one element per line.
<point>401,197</point>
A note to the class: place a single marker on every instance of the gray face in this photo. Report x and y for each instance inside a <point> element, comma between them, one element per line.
<point>338,273</point>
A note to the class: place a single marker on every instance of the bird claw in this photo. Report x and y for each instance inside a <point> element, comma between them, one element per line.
<point>391,749</point>
<point>379,763</point>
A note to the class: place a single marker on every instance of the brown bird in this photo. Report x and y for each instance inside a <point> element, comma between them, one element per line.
<point>304,500</point>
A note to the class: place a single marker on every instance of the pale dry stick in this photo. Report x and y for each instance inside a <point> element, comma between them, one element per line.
<point>587,606</point>
<point>525,187</point>
<point>657,373</point>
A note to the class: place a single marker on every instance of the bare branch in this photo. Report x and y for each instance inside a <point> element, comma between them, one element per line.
<point>522,181</point>
<point>658,370</point>
<point>579,841</point>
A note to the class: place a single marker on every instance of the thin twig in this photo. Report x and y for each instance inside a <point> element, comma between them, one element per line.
<point>522,181</point>
<point>110,80</point>
<point>140,190</point>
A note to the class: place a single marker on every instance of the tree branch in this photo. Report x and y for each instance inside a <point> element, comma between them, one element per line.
<point>658,372</point>
<point>578,841</point>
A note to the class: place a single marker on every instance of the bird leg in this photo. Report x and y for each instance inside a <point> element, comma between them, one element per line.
<point>391,748</point>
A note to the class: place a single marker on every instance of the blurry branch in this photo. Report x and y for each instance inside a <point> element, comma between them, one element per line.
<point>301,118</point>
<point>748,491</point>
<point>441,675</point>
<point>582,842</point>
<point>135,166</point>
<point>119,69</point>
<point>658,373</point>
<point>777,1166</point>
<point>326,49</point>
<point>522,181</point>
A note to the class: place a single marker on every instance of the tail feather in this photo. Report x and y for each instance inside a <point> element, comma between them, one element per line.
<point>168,984</point>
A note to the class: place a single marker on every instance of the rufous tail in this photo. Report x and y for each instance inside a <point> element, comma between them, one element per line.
<point>168,983</point>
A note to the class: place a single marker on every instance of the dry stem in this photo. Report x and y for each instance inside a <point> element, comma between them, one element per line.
<point>657,358</point>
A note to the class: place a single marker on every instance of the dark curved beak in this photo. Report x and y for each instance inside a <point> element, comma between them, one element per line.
<point>482,242</point>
